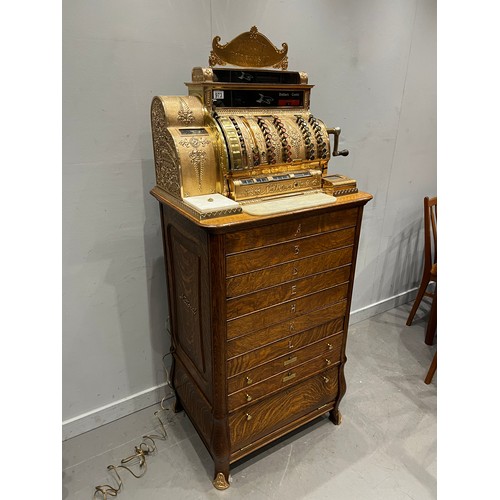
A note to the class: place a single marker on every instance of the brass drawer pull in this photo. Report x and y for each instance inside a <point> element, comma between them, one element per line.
<point>296,249</point>
<point>326,379</point>
<point>249,380</point>
<point>290,345</point>
<point>294,289</point>
<point>293,308</point>
<point>295,271</point>
<point>290,360</point>
<point>292,328</point>
<point>328,362</point>
<point>289,377</point>
<point>330,346</point>
<point>248,416</point>
<point>248,397</point>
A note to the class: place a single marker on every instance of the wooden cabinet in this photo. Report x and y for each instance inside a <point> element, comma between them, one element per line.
<point>259,309</point>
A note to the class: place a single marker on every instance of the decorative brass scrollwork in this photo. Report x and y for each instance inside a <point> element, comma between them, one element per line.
<point>250,49</point>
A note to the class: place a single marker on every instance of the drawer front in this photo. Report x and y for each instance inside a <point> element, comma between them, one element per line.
<point>281,347</point>
<point>292,250</point>
<point>255,421</point>
<point>329,348</point>
<point>241,345</point>
<point>277,233</point>
<point>287,291</point>
<point>246,397</point>
<point>286,311</point>
<point>300,268</point>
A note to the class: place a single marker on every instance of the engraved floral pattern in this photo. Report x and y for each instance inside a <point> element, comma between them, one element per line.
<point>198,159</point>
<point>185,115</point>
<point>194,142</point>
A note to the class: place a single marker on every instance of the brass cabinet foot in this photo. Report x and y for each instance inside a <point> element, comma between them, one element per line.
<point>220,482</point>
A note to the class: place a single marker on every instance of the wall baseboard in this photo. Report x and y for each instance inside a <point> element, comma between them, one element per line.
<point>382,306</point>
<point>118,409</point>
<point>135,402</point>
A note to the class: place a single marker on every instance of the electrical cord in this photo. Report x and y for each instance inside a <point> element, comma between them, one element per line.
<point>146,448</point>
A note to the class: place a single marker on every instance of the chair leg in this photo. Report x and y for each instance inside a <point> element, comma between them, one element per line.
<point>421,291</point>
<point>432,370</point>
<point>431,325</point>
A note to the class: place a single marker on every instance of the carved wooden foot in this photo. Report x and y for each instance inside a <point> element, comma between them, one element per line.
<point>178,405</point>
<point>335,417</point>
<point>220,481</point>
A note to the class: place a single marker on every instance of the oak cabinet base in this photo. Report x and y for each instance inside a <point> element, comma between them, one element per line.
<point>259,308</point>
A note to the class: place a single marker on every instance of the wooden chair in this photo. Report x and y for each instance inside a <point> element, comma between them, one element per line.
<point>430,266</point>
<point>432,370</point>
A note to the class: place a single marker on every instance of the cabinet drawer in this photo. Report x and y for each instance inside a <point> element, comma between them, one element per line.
<point>277,382</point>
<point>281,347</point>
<point>277,233</point>
<point>259,258</point>
<point>300,268</point>
<point>287,291</point>
<point>287,310</point>
<point>255,421</point>
<point>241,345</point>
<point>329,348</point>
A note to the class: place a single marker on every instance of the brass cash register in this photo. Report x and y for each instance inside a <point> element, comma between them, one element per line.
<point>260,247</point>
<point>245,135</point>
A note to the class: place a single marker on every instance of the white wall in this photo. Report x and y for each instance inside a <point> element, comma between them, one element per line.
<point>374,66</point>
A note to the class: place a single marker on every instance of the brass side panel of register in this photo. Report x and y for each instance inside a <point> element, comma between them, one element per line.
<point>186,147</point>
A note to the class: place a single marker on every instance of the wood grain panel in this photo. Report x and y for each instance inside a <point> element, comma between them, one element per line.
<point>300,268</point>
<point>243,344</point>
<point>284,346</point>
<point>252,260</point>
<point>291,290</point>
<point>329,347</point>
<point>286,311</point>
<point>277,233</point>
<point>262,418</point>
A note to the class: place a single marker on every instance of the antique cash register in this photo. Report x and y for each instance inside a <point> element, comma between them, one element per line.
<point>260,247</point>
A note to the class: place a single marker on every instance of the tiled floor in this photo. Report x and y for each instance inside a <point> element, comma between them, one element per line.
<point>384,449</point>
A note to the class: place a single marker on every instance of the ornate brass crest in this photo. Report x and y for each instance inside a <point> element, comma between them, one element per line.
<point>251,49</point>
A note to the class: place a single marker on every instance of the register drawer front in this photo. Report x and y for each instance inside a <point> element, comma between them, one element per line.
<point>281,347</point>
<point>257,420</point>
<point>300,268</point>
<point>252,260</point>
<point>328,348</point>
<point>287,310</point>
<point>263,337</point>
<point>287,291</point>
<point>286,231</point>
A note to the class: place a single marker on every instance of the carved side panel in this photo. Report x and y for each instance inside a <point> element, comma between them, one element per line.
<point>187,291</point>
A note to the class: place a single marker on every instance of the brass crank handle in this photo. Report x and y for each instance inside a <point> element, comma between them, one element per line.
<point>336,134</point>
